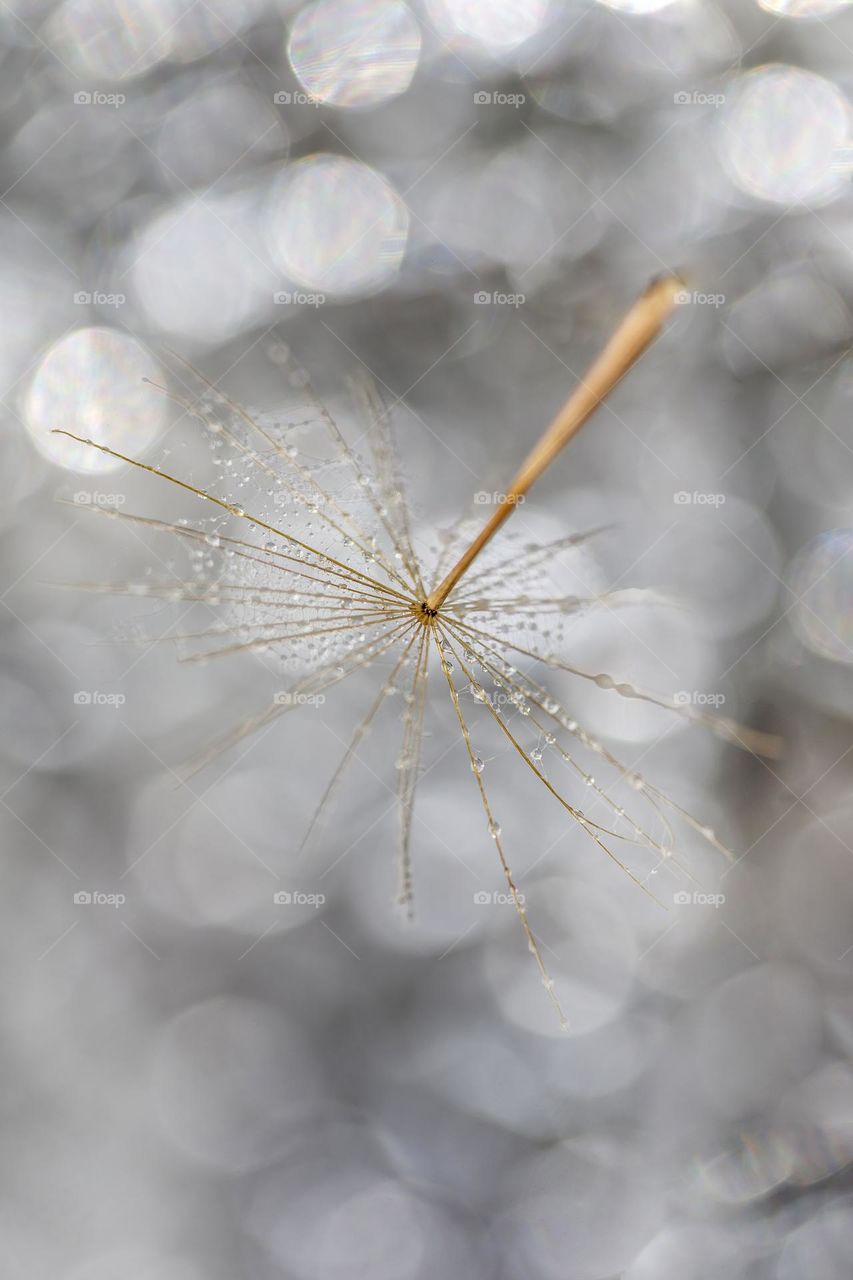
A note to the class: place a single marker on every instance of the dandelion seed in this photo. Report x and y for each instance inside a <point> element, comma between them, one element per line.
<point>334,590</point>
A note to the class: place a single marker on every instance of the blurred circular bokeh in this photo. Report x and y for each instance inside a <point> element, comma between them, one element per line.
<point>785,136</point>
<point>226,1052</point>
<point>92,383</point>
<point>821,579</point>
<point>336,226</point>
<point>355,53</point>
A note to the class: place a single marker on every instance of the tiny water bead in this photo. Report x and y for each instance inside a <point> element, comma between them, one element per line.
<point>477,764</point>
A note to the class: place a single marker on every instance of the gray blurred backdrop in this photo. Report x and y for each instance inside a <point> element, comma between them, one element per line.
<point>462,196</point>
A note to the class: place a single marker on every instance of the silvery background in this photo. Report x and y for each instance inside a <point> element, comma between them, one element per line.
<point>462,196</point>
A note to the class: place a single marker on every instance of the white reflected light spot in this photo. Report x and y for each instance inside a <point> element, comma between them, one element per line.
<point>821,577</point>
<point>804,8</point>
<point>91,383</point>
<point>336,226</point>
<point>195,270</point>
<point>491,24</point>
<point>355,53</point>
<point>785,136</point>
<point>102,38</point>
<point>637,6</point>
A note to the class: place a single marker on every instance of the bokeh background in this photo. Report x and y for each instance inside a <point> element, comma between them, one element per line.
<point>460,196</point>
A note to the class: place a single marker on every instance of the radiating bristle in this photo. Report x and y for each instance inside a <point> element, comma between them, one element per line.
<point>317,563</point>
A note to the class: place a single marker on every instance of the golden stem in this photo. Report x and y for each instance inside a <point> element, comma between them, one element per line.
<point>639,327</point>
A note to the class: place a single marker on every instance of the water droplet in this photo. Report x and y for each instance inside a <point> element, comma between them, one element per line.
<point>477,764</point>
<point>494,829</point>
<point>212,539</point>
